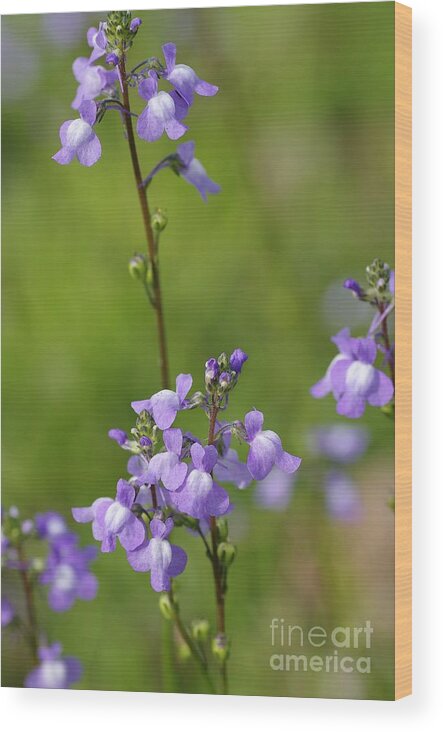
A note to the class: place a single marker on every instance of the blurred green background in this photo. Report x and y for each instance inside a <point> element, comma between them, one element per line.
<point>300,137</point>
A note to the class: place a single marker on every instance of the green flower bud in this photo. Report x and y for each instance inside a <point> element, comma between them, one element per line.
<point>159,220</point>
<point>166,607</point>
<point>223,529</point>
<point>223,361</point>
<point>200,630</point>
<point>138,267</point>
<point>220,647</point>
<point>226,553</point>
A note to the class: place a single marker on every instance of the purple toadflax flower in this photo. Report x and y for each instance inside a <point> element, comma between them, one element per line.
<point>8,612</point>
<point>200,496</point>
<point>193,171</point>
<point>353,379</point>
<point>160,113</point>
<point>79,139</point>
<point>67,572</point>
<point>342,443</point>
<point>342,499</point>
<point>50,525</point>
<point>164,405</point>
<point>265,449</point>
<point>183,78</point>
<point>275,491</point>
<point>165,468</point>
<point>92,80</point>
<point>157,556</point>
<point>54,671</point>
<point>97,40</point>
<point>112,519</point>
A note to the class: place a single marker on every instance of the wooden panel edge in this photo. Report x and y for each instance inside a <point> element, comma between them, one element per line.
<point>403,339</point>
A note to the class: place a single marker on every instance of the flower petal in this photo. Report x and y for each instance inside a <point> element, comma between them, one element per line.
<point>253,423</point>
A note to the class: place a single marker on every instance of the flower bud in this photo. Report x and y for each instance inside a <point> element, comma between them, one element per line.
<point>226,553</point>
<point>222,526</point>
<point>211,371</point>
<point>200,629</point>
<point>138,267</point>
<point>135,24</point>
<point>237,359</point>
<point>223,361</point>
<point>166,607</point>
<point>354,287</point>
<point>112,59</point>
<point>220,647</point>
<point>159,220</point>
<point>145,441</point>
<point>224,380</point>
<point>118,435</point>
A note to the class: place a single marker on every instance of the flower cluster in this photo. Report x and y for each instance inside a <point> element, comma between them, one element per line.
<point>174,476</point>
<point>43,550</point>
<point>102,89</point>
<point>352,377</point>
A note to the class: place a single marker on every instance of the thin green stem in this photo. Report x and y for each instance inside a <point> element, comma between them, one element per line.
<point>150,239</point>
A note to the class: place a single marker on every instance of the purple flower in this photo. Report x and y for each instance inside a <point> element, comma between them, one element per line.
<point>266,449</point>
<point>275,491</point>
<point>237,359</point>
<point>92,80</point>
<point>158,556</point>
<point>118,435</point>
<point>79,139</point>
<point>67,573</point>
<point>166,467</point>
<point>97,40</point>
<point>165,404</point>
<point>352,377</point>
<point>50,525</point>
<point>112,519</point>
<point>159,115</point>
<point>342,498</point>
<point>54,671</point>
<point>340,442</point>
<point>200,497</point>
<point>8,612</point>
<point>354,287</point>
<point>183,78</point>
<point>230,469</point>
<point>211,370</point>
<point>193,171</point>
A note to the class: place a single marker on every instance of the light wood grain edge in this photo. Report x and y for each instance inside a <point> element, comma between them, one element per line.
<point>403,344</point>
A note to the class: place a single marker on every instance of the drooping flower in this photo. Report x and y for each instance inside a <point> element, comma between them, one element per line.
<point>353,379</point>
<point>166,468</point>
<point>354,287</point>
<point>79,139</point>
<point>97,40</point>
<point>265,449</point>
<point>157,556</point>
<point>200,496</point>
<point>67,572</point>
<point>118,435</point>
<point>160,114</point>
<point>193,171</point>
<point>135,24</point>
<point>112,519</point>
<point>275,491</point>
<point>230,469</point>
<point>50,525</point>
<point>324,386</point>
<point>342,499</point>
<point>54,670</point>
<point>342,443</point>
<point>183,78</point>
<point>237,359</point>
<point>8,612</point>
<point>164,405</point>
<point>92,80</point>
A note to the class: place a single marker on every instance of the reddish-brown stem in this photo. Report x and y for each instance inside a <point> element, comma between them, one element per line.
<point>217,569</point>
<point>150,239</point>
<point>389,354</point>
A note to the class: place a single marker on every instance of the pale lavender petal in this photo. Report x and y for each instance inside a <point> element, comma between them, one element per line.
<point>90,152</point>
<point>133,534</point>
<point>382,390</point>
<point>88,111</point>
<point>64,156</point>
<point>217,501</point>
<point>175,129</point>
<point>165,405</point>
<point>179,560</point>
<point>169,52</point>
<point>173,440</point>
<point>253,423</point>
<point>183,384</point>
<point>350,405</point>
<point>205,89</point>
<point>149,126</point>
<point>125,493</point>
<point>139,558</point>
<point>261,457</point>
<point>185,150</point>
<point>141,406</point>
